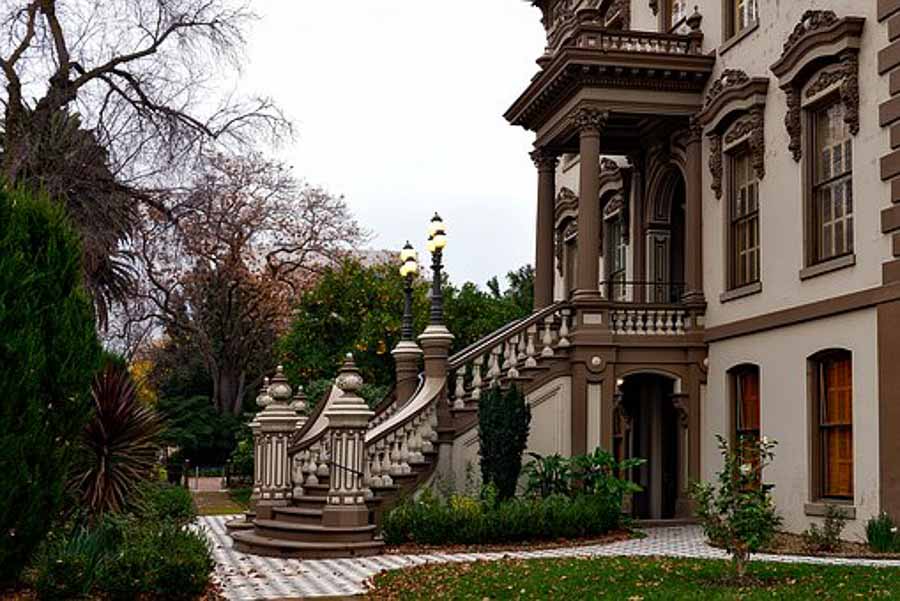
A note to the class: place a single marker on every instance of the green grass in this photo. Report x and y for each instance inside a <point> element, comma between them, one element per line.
<point>241,496</point>
<point>631,578</point>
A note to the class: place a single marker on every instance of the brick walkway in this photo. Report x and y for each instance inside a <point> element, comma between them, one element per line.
<point>248,577</point>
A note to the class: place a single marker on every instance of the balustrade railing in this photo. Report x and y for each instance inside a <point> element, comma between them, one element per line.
<point>508,353</point>
<point>593,35</point>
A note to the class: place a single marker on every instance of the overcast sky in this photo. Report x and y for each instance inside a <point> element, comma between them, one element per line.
<point>399,106</point>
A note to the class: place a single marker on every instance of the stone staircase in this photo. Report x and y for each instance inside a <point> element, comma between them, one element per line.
<point>322,483</point>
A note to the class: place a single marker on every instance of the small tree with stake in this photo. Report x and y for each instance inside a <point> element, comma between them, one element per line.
<point>738,513</point>
<point>504,419</point>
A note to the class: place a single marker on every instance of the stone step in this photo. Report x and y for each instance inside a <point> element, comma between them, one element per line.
<point>310,501</point>
<point>298,515</point>
<point>312,533</point>
<point>250,542</point>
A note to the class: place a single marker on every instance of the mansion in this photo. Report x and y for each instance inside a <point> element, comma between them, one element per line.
<point>717,253</point>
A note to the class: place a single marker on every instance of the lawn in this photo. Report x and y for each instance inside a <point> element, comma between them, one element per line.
<point>222,503</point>
<point>634,579</point>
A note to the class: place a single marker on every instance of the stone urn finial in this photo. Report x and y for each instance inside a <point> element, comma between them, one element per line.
<point>695,20</point>
<point>300,404</point>
<point>280,390</point>
<point>349,380</point>
<point>263,399</point>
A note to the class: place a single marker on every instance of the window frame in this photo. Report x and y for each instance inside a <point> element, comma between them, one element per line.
<point>740,152</point>
<point>729,21</point>
<point>616,248</point>
<point>818,184</point>
<point>819,478</point>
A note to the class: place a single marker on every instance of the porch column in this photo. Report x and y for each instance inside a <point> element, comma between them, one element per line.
<point>694,215</point>
<point>546,163</point>
<point>589,122</point>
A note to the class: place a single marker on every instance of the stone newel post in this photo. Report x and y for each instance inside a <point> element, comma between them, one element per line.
<point>348,420</point>
<point>273,427</point>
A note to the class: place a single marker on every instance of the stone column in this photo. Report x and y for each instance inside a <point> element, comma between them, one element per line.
<point>276,423</point>
<point>694,215</point>
<point>435,342</point>
<point>546,163</point>
<point>589,122</point>
<point>348,420</point>
<point>406,364</point>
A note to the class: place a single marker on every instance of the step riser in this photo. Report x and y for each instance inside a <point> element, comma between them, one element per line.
<point>268,551</point>
<point>315,537</point>
<point>307,520</point>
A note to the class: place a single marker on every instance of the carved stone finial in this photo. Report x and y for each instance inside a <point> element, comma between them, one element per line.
<point>300,404</point>
<point>695,20</point>
<point>279,389</point>
<point>263,399</point>
<point>590,120</point>
<point>349,380</point>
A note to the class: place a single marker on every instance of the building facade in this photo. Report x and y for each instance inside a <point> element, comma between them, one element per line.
<point>716,219</point>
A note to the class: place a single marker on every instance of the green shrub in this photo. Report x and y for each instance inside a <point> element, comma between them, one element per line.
<point>548,475</point>
<point>827,538</point>
<point>164,559</point>
<point>466,520</point>
<point>48,354</point>
<point>504,418</point>
<point>65,567</point>
<point>161,501</point>
<point>882,534</point>
<point>596,473</point>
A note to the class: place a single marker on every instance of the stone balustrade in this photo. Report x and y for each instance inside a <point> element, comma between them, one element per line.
<point>508,354</point>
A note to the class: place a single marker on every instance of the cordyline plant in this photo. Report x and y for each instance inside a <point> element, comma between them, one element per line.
<point>119,444</point>
<point>737,513</point>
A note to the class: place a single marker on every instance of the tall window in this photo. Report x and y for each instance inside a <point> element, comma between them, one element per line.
<point>833,184</point>
<point>834,382</point>
<point>618,251</point>
<point>746,403</point>
<point>740,15</point>
<point>744,221</point>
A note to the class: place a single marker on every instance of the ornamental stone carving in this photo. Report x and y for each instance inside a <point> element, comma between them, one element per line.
<point>751,127</point>
<point>820,37</point>
<point>608,165</point>
<point>544,160</point>
<point>654,6</point>
<point>847,74</point>
<point>792,122</point>
<point>730,78</point>
<point>590,120</point>
<point>715,163</point>
<point>811,21</point>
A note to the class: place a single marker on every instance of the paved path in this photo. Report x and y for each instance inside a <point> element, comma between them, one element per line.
<point>248,577</point>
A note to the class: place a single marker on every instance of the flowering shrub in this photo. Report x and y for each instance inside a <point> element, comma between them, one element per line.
<point>737,512</point>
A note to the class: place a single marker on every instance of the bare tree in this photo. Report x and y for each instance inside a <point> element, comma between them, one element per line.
<point>222,274</point>
<point>108,102</point>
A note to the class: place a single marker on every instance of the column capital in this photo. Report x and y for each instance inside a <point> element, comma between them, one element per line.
<point>544,159</point>
<point>590,120</point>
<point>694,132</point>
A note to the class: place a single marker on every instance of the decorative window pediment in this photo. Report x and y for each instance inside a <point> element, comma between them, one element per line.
<point>820,40</point>
<point>733,114</point>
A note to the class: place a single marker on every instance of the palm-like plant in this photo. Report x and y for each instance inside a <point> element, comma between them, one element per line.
<point>119,444</point>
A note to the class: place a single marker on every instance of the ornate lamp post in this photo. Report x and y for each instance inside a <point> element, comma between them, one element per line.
<point>407,352</point>
<point>437,241</point>
<point>409,269</point>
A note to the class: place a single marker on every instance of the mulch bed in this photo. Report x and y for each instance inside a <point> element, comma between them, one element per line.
<point>414,549</point>
<point>793,544</point>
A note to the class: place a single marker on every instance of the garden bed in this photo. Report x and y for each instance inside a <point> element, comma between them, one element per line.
<point>631,578</point>
<point>612,537</point>
<point>786,543</point>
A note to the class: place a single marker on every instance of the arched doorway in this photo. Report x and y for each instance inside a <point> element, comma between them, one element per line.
<point>653,433</point>
<point>666,240</point>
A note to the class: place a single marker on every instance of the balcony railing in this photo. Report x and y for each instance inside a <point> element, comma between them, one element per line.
<point>590,36</point>
<point>663,293</point>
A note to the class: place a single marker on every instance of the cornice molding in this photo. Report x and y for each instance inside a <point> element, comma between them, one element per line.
<point>819,40</point>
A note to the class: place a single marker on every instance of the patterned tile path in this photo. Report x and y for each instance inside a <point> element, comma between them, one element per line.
<point>248,577</point>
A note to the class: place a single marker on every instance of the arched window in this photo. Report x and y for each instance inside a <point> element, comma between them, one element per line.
<point>831,373</point>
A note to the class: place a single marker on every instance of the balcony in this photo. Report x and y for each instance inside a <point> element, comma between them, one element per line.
<point>613,70</point>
